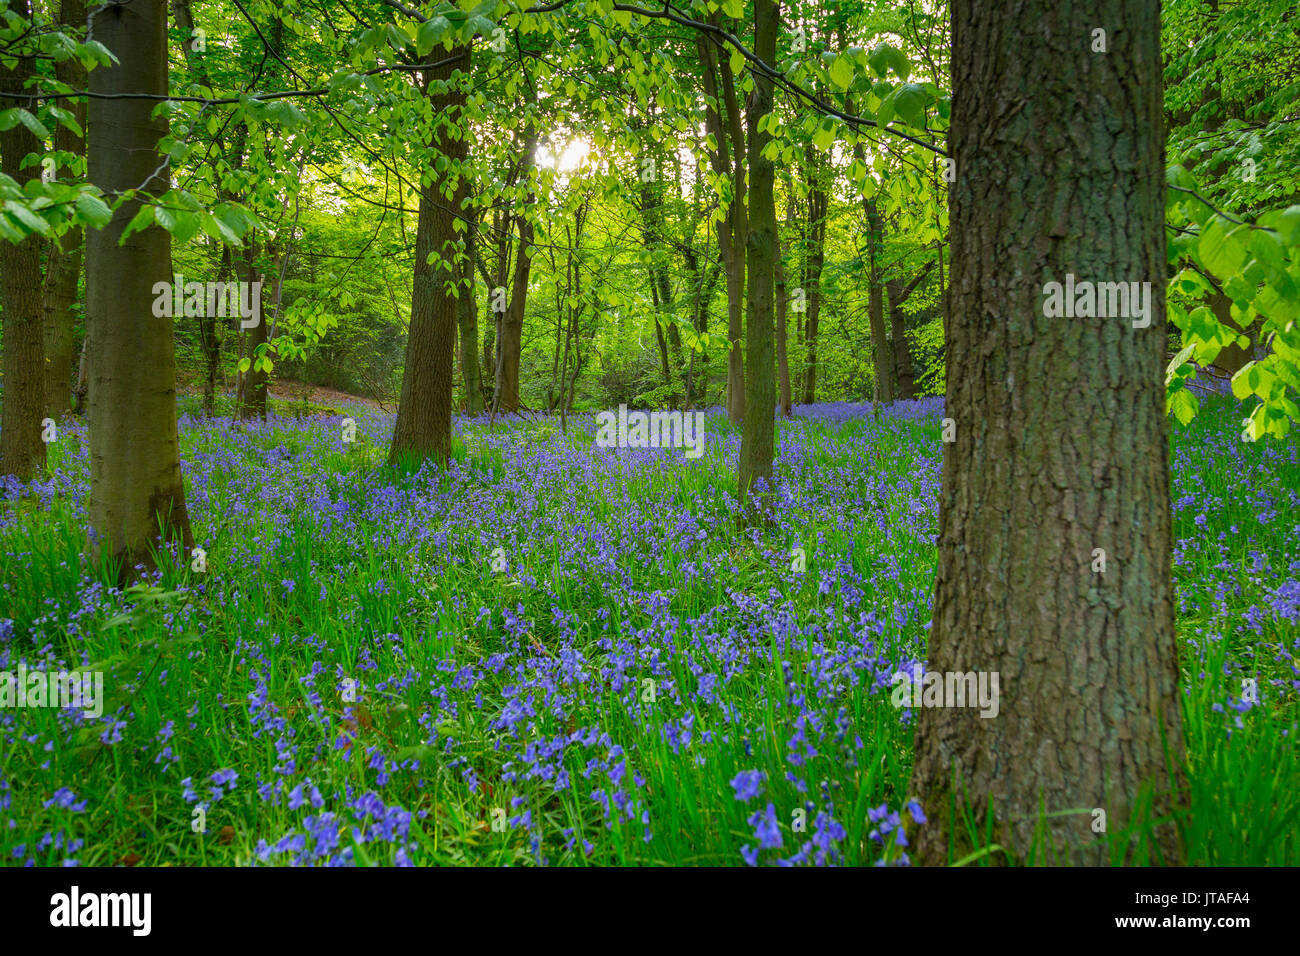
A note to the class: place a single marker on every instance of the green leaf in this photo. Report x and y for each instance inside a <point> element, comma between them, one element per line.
<point>842,72</point>
<point>1184,405</point>
<point>825,135</point>
<point>32,123</point>
<point>430,34</point>
<point>23,214</point>
<point>141,220</point>
<point>737,62</point>
<point>1221,251</point>
<point>94,210</point>
<point>1241,383</point>
<point>909,103</point>
<point>1178,361</point>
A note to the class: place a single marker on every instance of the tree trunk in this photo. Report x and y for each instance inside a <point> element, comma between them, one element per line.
<point>137,496</point>
<point>782,305</point>
<point>882,354</point>
<point>758,439</point>
<point>512,322</point>
<point>818,208</point>
<point>467,322</point>
<point>63,271</point>
<point>722,118</point>
<point>22,452</point>
<point>898,294</point>
<point>1061,443</point>
<point>252,403</point>
<point>423,426</point>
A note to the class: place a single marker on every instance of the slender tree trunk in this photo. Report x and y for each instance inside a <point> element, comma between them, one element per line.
<point>79,394</point>
<point>882,353</point>
<point>722,118</point>
<point>1061,454</point>
<point>137,496</point>
<point>782,305</point>
<point>253,400</point>
<point>466,306</point>
<point>758,440</point>
<point>22,452</point>
<point>818,205</point>
<point>512,323</point>
<point>898,294</point>
<point>423,426</point>
<point>63,271</point>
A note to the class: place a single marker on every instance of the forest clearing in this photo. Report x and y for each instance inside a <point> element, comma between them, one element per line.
<point>736,433</point>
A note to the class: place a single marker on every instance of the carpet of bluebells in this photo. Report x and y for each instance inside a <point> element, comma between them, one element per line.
<point>556,654</point>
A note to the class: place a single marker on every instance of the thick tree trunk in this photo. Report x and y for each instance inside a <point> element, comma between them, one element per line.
<point>135,475</point>
<point>22,452</point>
<point>758,439</point>
<point>423,427</point>
<point>1061,444</point>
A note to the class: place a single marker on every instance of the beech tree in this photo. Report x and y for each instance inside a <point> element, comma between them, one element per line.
<point>137,497</point>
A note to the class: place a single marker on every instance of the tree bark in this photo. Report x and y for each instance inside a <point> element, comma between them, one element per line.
<point>512,321</point>
<point>22,452</point>
<point>1061,444</point>
<point>423,427</point>
<point>471,375</point>
<point>881,351</point>
<point>63,271</point>
<point>782,306</point>
<point>137,496</point>
<point>818,206</point>
<point>722,119</point>
<point>758,439</point>
<point>898,294</point>
<point>252,403</point>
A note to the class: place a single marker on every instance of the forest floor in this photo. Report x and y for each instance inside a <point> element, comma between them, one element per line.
<point>554,653</point>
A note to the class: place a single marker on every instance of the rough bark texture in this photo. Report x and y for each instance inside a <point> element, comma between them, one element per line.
<point>758,439</point>
<point>63,271</point>
<point>22,452</point>
<point>423,427</point>
<point>135,474</point>
<point>1061,440</point>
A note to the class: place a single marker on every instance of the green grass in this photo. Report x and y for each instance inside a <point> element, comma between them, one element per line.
<point>627,592</point>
